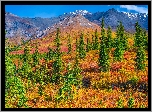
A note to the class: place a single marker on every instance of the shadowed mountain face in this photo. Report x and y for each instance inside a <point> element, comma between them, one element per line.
<point>16,26</point>
<point>39,27</point>
<point>112,16</point>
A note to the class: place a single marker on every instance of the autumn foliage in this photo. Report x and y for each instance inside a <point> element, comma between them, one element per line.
<point>95,71</point>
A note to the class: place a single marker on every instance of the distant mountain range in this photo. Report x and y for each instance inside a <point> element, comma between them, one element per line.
<point>38,27</point>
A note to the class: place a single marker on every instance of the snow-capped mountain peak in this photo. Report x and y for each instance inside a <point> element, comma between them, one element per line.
<point>135,15</point>
<point>81,12</point>
<point>28,26</point>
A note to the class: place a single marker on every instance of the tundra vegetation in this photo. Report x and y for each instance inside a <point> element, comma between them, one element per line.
<point>98,71</point>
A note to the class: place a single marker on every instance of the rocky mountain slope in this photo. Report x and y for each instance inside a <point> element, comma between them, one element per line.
<point>112,17</point>
<point>39,27</point>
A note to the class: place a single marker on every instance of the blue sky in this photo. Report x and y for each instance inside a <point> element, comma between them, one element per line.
<point>47,11</point>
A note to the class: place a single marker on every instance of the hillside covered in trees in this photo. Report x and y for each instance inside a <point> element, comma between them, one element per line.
<point>91,68</point>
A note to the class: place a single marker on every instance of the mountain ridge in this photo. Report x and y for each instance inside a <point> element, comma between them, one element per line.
<point>39,27</point>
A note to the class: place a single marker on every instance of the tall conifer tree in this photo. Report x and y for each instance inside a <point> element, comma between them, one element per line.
<point>139,40</point>
<point>82,52</point>
<point>88,46</point>
<point>109,38</point>
<point>92,43</point>
<point>57,65</point>
<point>140,58</point>
<point>118,53</point>
<point>96,41</point>
<point>69,44</point>
<point>103,54</point>
<point>102,31</point>
<point>36,56</point>
<point>139,44</point>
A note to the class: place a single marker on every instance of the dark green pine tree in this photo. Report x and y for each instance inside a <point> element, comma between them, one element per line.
<point>140,40</point>
<point>88,46</point>
<point>118,53</point>
<point>141,57</point>
<point>121,35</point>
<point>145,40</point>
<point>36,57</point>
<point>109,38</point>
<point>138,36</point>
<point>57,64</point>
<point>49,54</point>
<point>76,69</point>
<point>57,42</point>
<point>72,77</point>
<point>26,54</point>
<point>92,43</point>
<point>69,44</point>
<point>102,32</point>
<point>96,41</point>
<point>103,38</point>
<point>104,58</point>
<point>103,54</point>
<point>26,68</point>
<point>82,52</point>
<point>125,42</point>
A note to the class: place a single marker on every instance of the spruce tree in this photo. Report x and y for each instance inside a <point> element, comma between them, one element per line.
<point>122,36</point>
<point>109,40</point>
<point>49,54</point>
<point>26,54</point>
<point>69,44</point>
<point>76,69</point>
<point>88,46</point>
<point>104,58</point>
<point>125,42</point>
<point>145,40</point>
<point>102,31</point>
<point>140,41</point>
<point>118,53</point>
<point>96,41</point>
<point>57,64</point>
<point>72,77</point>
<point>36,57</point>
<point>103,54</point>
<point>141,57</point>
<point>138,36</point>
<point>82,52</point>
<point>92,44</point>
<point>26,68</point>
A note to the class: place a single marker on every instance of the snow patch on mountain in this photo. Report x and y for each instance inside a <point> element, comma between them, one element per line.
<point>135,15</point>
<point>81,12</point>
